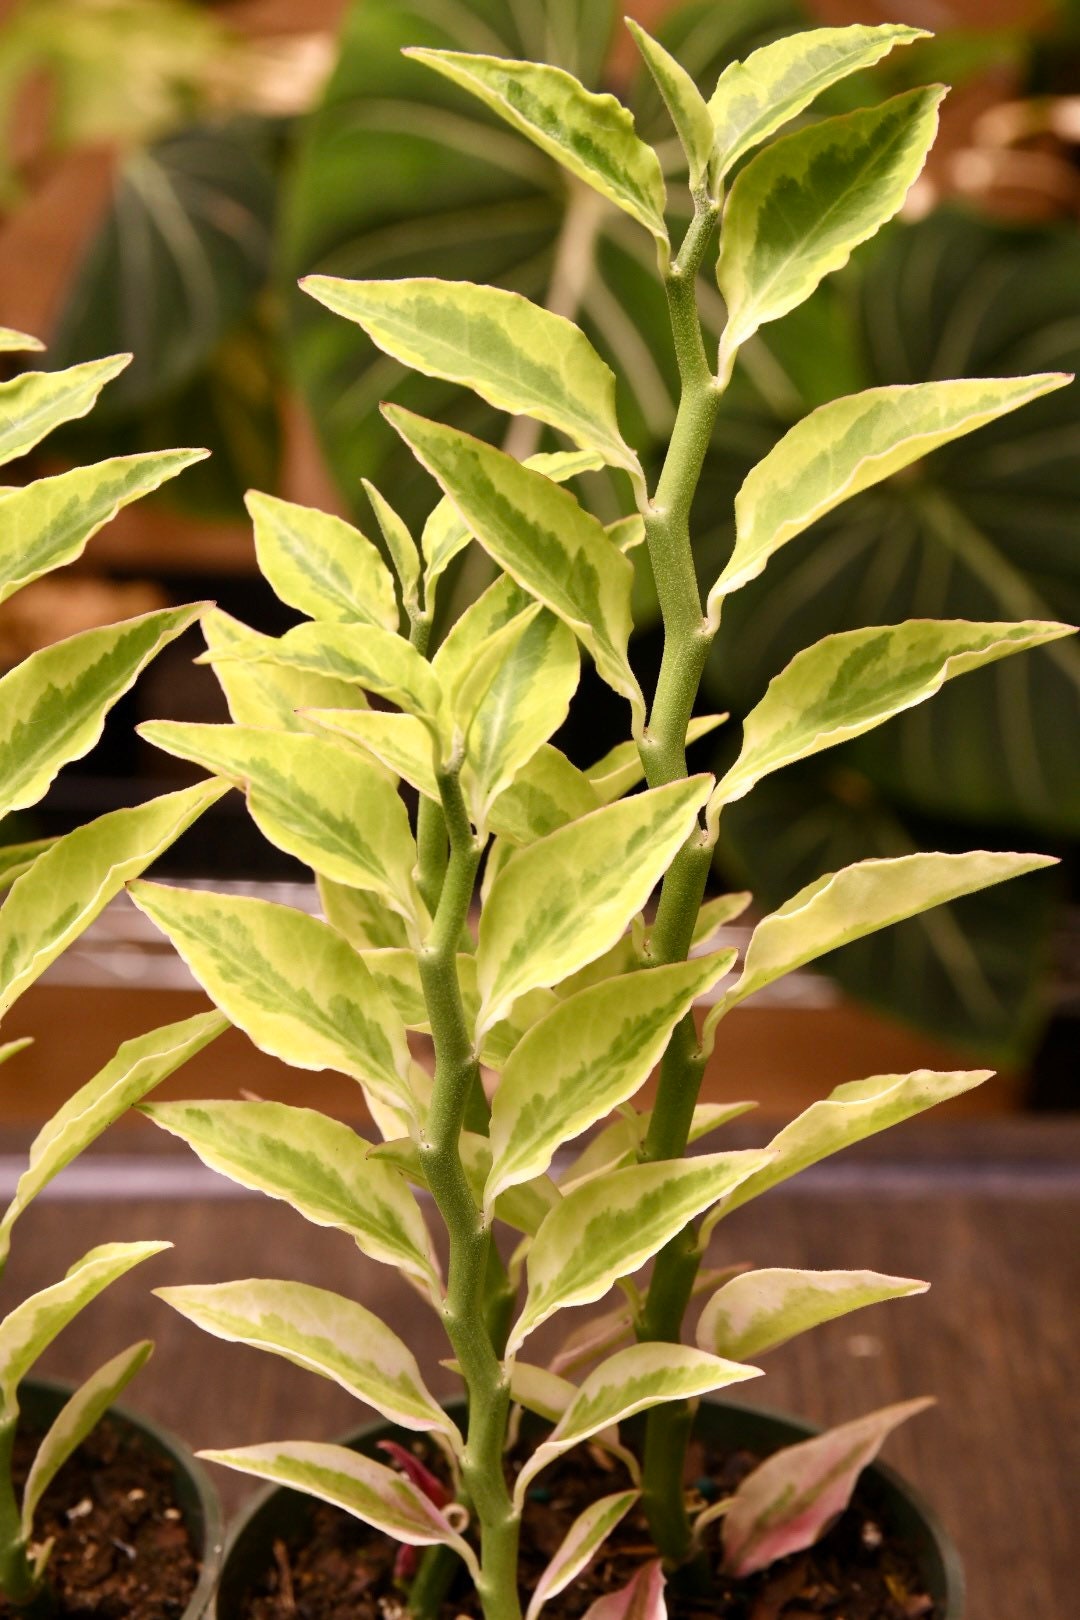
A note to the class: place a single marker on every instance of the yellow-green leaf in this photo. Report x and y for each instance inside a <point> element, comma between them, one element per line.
<point>322,803</point>
<point>363,655</point>
<point>139,1066</point>
<point>399,543</point>
<point>73,881</point>
<point>49,522</point>
<point>400,742</point>
<point>848,683</point>
<point>684,101</point>
<point>15,859</point>
<point>319,1166</point>
<point>77,1418</point>
<point>445,533</point>
<point>588,1056</point>
<point>365,920</point>
<point>564,900</point>
<point>777,82</point>
<point>11,341</point>
<point>262,693</point>
<point>32,404</point>
<point>849,445</point>
<point>53,705</point>
<point>799,208</point>
<point>540,536</point>
<point>591,135</point>
<point>579,1546</point>
<point>546,794</point>
<point>292,984</point>
<point>631,1381</point>
<point>847,905</point>
<point>514,354</point>
<point>324,1333</point>
<point>608,1228</point>
<point>759,1310</point>
<point>34,1323</point>
<point>320,564</point>
<point>851,1112</point>
<point>621,769</point>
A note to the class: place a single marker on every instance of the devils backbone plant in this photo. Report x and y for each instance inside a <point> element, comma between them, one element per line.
<point>52,710</point>
<point>568,986</point>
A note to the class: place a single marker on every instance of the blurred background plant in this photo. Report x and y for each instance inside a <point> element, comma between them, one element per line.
<point>172,168</point>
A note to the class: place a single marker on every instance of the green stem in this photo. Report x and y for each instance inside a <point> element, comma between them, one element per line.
<point>686,647</point>
<point>17,1583</point>
<point>465,1308</point>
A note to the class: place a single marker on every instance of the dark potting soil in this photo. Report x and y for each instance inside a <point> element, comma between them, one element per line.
<point>122,1550</point>
<point>341,1570</point>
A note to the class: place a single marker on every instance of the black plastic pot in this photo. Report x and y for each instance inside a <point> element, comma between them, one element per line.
<point>39,1402</point>
<point>276,1514</point>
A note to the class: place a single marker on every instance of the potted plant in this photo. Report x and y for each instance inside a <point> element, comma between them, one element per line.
<point>567,991</point>
<point>52,709</point>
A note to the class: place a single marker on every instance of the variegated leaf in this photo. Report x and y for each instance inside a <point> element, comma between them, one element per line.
<point>851,1112</point>
<point>619,1143</point>
<point>368,1490</point>
<point>564,900</point>
<point>847,446</point>
<point>10,1049</point>
<point>759,1310</point>
<point>364,919</point>
<point>15,859</point>
<point>139,1066</point>
<point>12,341</point>
<point>53,705</point>
<point>35,1322</point>
<point>684,101</point>
<point>792,1498</point>
<point>798,209</point>
<point>445,532</point>
<point>610,1226</point>
<point>642,1598</point>
<point>540,536</point>
<point>588,1056</point>
<point>399,543</point>
<point>49,522</point>
<point>318,1165</point>
<point>621,768</point>
<point>591,135</point>
<point>525,700</point>
<point>774,84</point>
<point>494,611</point>
<point>848,683</point>
<point>632,1380</point>
<point>35,402</point>
<point>514,354</point>
<point>323,1332</point>
<point>718,912</point>
<point>546,794</point>
<point>363,655</point>
<point>523,1207</point>
<point>262,693</point>
<point>77,1418</point>
<point>579,1546</point>
<point>539,1390</point>
<point>321,565</point>
<point>399,742</point>
<point>847,905</point>
<point>291,983</point>
<point>73,881</point>
<point>322,803</point>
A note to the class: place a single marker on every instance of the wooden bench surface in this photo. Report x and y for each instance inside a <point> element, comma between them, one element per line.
<point>986,1211</point>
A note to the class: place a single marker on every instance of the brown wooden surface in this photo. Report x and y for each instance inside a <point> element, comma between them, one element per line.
<point>986,1211</point>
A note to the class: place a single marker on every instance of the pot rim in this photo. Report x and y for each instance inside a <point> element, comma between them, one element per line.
<point>211,1552</point>
<point>951,1598</point>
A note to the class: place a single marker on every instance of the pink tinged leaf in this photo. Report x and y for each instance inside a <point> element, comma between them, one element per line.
<point>642,1599</point>
<point>414,1470</point>
<point>792,1498</point>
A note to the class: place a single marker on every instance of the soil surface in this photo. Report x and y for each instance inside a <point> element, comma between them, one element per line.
<point>341,1570</point>
<point>122,1550</point>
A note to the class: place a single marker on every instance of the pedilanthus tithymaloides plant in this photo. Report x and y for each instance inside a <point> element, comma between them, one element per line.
<point>52,709</point>
<point>565,992</point>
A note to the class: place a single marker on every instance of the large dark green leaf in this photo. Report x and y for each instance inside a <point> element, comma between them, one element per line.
<point>181,254</point>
